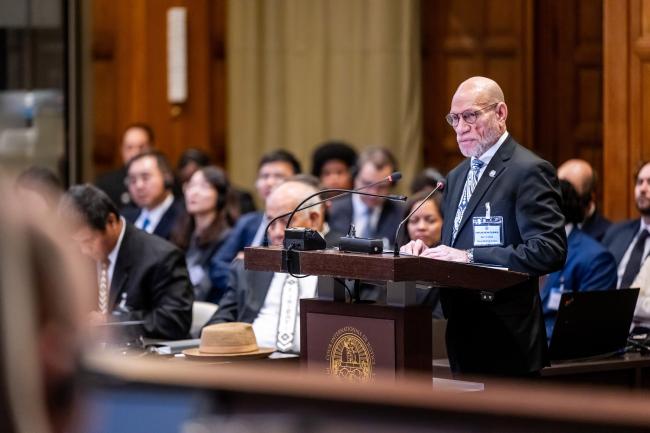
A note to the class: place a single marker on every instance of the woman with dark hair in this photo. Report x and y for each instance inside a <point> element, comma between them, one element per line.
<point>426,223</point>
<point>202,231</point>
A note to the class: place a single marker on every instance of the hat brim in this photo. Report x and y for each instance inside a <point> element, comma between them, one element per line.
<point>194,354</point>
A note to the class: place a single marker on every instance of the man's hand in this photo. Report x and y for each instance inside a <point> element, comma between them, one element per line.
<point>443,252</point>
<point>414,248</point>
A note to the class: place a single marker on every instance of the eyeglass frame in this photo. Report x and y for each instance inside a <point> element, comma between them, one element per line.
<point>474,113</point>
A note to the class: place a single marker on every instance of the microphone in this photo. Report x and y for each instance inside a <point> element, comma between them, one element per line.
<point>440,186</point>
<point>393,177</point>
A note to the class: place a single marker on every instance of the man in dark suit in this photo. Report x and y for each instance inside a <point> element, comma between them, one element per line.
<point>589,265</point>
<point>150,181</point>
<point>270,300</point>
<point>372,217</point>
<point>137,138</point>
<point>140,276</point>
<point>628,240</point>
<point>583,178</point>
<point>501,207</point>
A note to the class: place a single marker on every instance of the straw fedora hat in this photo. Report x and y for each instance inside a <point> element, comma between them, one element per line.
<point>228,341</point>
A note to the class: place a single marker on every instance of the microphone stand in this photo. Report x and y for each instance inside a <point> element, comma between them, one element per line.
<point>439,186</point>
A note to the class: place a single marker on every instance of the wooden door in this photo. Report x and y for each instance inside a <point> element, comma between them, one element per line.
<point>474,37</point>
<point>129,64</point>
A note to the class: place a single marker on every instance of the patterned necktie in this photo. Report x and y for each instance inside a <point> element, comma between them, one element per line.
<point>102,303</point>
<point>288,313</point>
<point>634,263</point>
<point>470,184</point>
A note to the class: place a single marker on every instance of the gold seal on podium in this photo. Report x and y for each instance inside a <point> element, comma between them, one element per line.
<point>350,355</point>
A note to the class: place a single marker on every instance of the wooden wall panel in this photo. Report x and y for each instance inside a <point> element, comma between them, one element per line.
<point>129,57</point>
<point>465,38</point>
<point>627,101</point>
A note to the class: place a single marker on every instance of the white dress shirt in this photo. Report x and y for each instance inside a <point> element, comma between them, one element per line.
<point>265,325</point>
<point>154,215</point>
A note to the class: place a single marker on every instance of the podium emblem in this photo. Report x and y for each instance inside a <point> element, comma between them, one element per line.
<point>350,356</point>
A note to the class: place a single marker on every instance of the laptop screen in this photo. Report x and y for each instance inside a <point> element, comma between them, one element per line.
<point>592,323</point>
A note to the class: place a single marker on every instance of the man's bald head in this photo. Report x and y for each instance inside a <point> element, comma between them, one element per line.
<point>284,198</point>
<point>483,89</point>
<point>579,173</point>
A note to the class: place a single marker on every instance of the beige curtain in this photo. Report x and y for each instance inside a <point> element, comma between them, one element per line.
<point>304,71</point>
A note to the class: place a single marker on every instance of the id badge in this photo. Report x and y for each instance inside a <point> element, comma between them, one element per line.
<point>488,231</point>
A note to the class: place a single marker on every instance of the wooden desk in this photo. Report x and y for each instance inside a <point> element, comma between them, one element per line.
<point>630,371</point>
<point>315,403</point>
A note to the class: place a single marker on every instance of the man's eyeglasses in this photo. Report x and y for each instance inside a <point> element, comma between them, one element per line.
<point>468,116</point>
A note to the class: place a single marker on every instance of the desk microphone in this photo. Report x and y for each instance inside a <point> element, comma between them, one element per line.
<point>440,186</point>
<point>394,177</point>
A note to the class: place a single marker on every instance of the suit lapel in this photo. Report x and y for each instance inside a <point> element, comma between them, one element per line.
<point>455,192</point>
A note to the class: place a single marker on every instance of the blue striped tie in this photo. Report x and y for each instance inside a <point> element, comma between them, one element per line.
<point>470,184</point>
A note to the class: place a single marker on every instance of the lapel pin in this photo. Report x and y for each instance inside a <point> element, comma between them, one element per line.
<point>493,173</point>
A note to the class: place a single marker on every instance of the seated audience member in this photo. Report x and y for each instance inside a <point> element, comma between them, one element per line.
<point>140,276</point>
<point>333,163</point>
<point>426,223</point>
<point>150,182</point>
<point>426,180</point>
<point>372,217</point>
<point>203,229</point>
<point>41,323</point>
<point>589,266</point>
<point>628,240</point>
<point>273,169</point>
<point>137,138</point>
<point>40,187</point>
<point>238,202</point>
<point>270,300</point>
<point>583,178</point>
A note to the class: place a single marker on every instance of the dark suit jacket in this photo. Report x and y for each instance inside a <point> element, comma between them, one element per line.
<point>241,236</point>
<point>505,336</point>
<point>341,213</point>
<point>166,223</point>
<point>596,226</point>
<point>589,266</point>
<point>204,290</point>
<point>619,237</point>
<point>112,183</point>
<point>150,279</point>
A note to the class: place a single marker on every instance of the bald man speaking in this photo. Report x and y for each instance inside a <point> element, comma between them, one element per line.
<point>501,207</point>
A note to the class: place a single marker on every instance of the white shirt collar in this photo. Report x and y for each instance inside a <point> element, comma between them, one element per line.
<point>154,215</point>
<point>487,156</point>
<point>643,226</point>
<point>568,228</point>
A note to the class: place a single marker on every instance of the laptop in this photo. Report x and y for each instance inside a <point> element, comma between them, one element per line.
<point>590,324</point>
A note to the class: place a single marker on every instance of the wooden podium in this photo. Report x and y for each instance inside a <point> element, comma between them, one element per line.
<point>358,341</point>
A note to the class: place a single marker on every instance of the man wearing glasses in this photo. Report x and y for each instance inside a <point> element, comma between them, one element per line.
<point>501,208</point>
<point>150,181</point>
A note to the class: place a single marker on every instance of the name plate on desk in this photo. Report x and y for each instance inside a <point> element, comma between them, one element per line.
<point>351,348</point>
